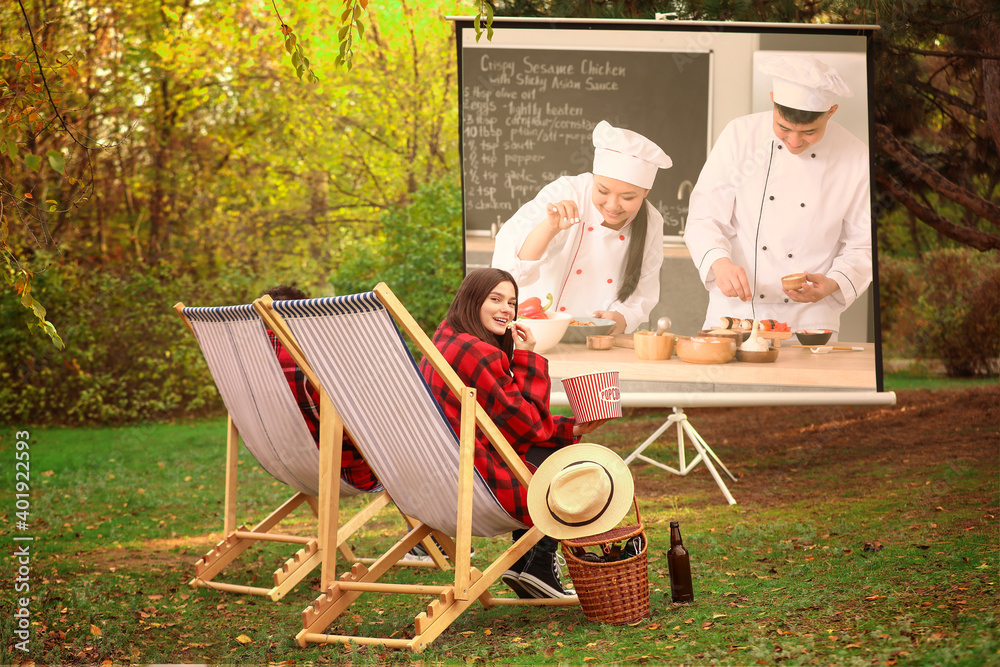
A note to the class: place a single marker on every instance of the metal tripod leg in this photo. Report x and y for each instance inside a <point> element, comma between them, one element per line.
<point>705,453</point>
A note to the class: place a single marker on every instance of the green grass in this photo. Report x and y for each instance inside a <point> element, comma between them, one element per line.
<point>120,515</point>
<point>905,380</point>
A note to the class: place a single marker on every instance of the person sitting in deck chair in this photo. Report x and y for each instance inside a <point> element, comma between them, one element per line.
<point>353,468</point>
<point>492,353</point>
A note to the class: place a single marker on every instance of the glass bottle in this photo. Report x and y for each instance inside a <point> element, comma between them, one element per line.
<point>679,564</point>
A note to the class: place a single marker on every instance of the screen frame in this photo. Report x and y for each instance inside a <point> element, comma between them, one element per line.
<point>696,28</point>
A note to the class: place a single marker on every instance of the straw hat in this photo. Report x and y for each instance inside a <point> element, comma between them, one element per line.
<point>580,490</point>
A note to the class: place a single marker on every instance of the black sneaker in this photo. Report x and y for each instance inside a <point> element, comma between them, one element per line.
<point>419,553</point>
<point>512,578</point>
<point>542,576</point>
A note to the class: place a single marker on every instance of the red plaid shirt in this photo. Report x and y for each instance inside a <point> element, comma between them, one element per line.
<point>353,468</point>
<point>515,395</point>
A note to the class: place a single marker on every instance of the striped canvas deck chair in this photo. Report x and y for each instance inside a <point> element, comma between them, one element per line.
<point>355,346</point>
<point>264,413</point>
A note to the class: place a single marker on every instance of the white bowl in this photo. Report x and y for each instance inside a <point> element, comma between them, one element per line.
<point>547,332</point>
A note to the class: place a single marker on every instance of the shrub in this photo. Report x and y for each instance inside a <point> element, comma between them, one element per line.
<point>128,357</point>
<point>945,305</point>
<point>418,255</point>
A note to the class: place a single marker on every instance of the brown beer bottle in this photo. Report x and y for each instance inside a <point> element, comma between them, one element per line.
<point>679,564</point>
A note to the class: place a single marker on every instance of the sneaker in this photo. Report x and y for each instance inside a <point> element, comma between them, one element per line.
<point>512,578</point>
<point>542,576</point>
<point>419,553</point>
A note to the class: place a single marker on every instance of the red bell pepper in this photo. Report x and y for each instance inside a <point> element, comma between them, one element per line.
<point>533,309</point>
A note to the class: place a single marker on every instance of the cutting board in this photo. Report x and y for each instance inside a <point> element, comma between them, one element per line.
<point>624,340</point>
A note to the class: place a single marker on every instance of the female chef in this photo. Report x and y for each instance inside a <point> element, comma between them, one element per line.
<point>785,191</point>
<point>592,241</point>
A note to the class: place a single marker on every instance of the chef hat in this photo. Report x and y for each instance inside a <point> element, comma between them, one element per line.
<point>627,156</point>
<point>804,82</point>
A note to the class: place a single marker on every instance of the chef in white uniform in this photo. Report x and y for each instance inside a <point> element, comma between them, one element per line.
<point>785,191</point>
<point>592,241</point>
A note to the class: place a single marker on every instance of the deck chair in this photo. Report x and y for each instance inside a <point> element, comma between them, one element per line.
<point>263,412</point>
<point>355,346</point>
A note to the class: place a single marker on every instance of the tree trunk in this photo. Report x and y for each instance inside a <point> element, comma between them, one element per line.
<point>990,42</point>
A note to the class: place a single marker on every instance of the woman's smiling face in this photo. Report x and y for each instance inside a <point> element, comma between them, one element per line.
<point>498,310</point>
<point>616,200</point>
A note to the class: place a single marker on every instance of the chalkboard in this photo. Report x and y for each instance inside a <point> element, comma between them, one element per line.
<point>528,117</point>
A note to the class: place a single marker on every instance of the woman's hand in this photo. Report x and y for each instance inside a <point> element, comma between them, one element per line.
<point>523,338</point>
<point>816,288</point>
<point>618,318</point>
<point>587,427</point>
<point>562,215</point>
<point>559,216</point>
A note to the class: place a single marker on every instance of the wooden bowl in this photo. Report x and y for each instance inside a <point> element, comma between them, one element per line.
<point>793,281</point>
<point>706,350</point>
<point>649,346</point>
<point>757,356</point>
<point>600,342</point>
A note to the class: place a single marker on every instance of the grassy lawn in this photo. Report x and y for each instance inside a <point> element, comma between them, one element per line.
<point>873,566</point>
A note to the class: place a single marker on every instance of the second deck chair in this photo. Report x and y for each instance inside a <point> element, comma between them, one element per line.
<point>263,412</point>
<point>355,348</point>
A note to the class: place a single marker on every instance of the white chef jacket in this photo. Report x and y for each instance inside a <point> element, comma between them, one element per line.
<point>582,266</point>
<point>774,213</point>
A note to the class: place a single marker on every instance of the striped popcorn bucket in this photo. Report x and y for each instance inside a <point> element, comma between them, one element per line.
<point>594,396</point>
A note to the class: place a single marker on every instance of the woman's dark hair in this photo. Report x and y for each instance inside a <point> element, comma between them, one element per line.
<point>285,293</point>
<point>464,312</point>
<point>633,255</point>
<point>798,116</point>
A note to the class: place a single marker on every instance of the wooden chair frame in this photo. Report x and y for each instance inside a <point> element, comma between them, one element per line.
<point>237,539</point>
<point>469,584</point>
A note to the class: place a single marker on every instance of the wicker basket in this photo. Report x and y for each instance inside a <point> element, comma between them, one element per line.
<point>616,593</point>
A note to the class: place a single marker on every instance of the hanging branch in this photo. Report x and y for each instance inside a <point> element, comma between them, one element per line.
<point>299,60</point>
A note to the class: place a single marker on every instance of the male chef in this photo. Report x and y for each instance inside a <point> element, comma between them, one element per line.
<point>785,191</point>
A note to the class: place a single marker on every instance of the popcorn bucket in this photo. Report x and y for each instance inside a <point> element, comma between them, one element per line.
<point>594,396</point>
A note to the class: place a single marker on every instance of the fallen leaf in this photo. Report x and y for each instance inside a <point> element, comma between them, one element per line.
<point>852,646</point>
<point>714,616</point>
<point>243,639</point>
<point>94,630</point>
<point>487,632</point>
<point>48,473</point>
<point>874,597</point>
<point>155,597</point>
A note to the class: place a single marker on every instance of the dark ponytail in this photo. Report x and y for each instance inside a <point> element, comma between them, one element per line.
<point>633,256</point>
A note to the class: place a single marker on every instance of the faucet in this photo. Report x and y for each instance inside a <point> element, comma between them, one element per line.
<point>680,190</point>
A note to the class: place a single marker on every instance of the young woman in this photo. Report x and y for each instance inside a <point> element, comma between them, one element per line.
<point>493,354</point>
<point>592,241</point>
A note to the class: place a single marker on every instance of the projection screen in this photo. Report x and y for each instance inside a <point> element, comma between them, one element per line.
<point>530,99</point>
